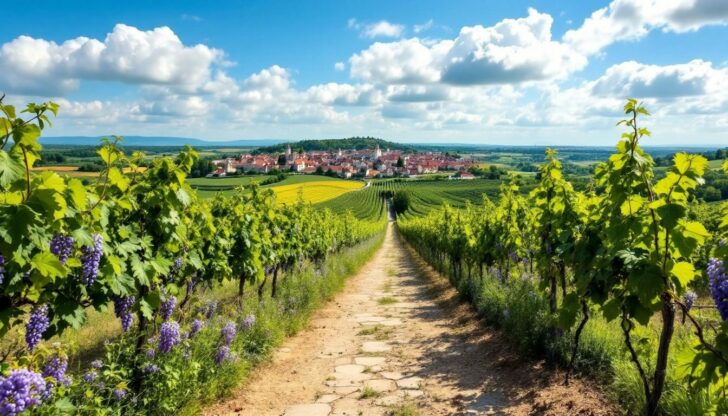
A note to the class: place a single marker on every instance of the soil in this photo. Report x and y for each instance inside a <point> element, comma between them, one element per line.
<point>398,341</point>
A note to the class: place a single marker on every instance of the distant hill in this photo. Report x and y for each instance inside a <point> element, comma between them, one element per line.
<point>332,145</point>
<point>157,141</point>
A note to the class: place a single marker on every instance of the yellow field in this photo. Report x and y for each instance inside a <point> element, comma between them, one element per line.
<point>314,192</point>
<point>73,171</point>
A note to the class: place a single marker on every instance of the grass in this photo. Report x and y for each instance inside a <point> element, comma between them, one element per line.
<point>380,332</point>
<point>407,409</point>
<point>387,300</point>
<point>300,293</point>
<point>369,393</point>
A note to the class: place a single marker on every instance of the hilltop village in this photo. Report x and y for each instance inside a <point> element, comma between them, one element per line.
<point>368,163</point>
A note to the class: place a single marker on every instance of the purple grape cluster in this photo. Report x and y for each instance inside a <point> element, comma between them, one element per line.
<point>2,268</point>
<point>150,354</point>
<point>176,265</point>
<point>248,322</point>
<point>195,327</point>
<point>122,309</point>
<point>21,390</point>
<point>56,368</point>
<point>222,354</point>
<point>61,246</point>
<point>210,309</point>
<point>228,333</point>
<point>168,336</point>
<point>91,259</point>
<point>718,282</point>
<point>168,307</point>
<point>37,325</point>
<point>690,298</point>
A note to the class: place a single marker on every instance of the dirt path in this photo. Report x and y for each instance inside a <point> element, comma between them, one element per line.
<point>397,339</point>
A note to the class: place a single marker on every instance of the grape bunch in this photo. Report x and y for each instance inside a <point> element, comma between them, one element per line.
<point>91,259</point>
<point>36,326</point>
<point>718,286</point>
<point>168,307</point>
<point>61,246</point>
<point>122,309</point>
<point>168,336</point>
<point>210,309</point>
<point>21,390</point>
<point>690,298</point>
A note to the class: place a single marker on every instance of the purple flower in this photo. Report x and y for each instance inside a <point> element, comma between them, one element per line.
<point>195,327</point>
<point>690,298</point>
<point>150,353</point>
<point>122,309</point>
<point>119,394</point>
<point>718,282</point>
<point>2,268</point>
<point>168,336</point>
<point>56,368</point>
<point>150,369</point>
<point>222,354</point>
<point>61,246</point>
<point>37,325</point>
<point>210,309</point>
<point>168,307</point>
<point>177,264</point>
<point>249,321</point>
<point>21,390</point>
<point>228,333</point>
<point>90,376</point>
<point>97,364</point>
<point>91,259</point>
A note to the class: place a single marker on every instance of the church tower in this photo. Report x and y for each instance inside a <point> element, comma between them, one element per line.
<point>288,152</point>
<point>377,152</point>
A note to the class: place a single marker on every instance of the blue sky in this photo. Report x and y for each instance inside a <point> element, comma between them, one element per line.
<point>517,72</point>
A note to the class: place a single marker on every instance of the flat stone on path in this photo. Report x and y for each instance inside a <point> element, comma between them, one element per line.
<point>327,398</point>
<point>412,383</point>
<point>369,361</point>
<point>350,369</point>
<point>380,385</point>
<point>375,346</point>
<point>391,375</point>
<point>316,409</point>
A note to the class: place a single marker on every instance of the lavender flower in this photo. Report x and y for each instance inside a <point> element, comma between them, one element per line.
<point>90,376</point>
<point>690,298</point>
<point>228,333</point>
<point>37,325</point>
<point>150,354</point>
<point>718,282</point>
<point>21,390</point>
<point>2,268</point>
<point>61,246</point>
<point>249,321</point>
<point>168,307</point>
<point>222,354</point>
<point>195,327</point>
<point>150,369</point>
<point>210,309</point>
<point>119,394</point>
<point>168,336</point>
<point>97,364</point>
<point>56,368</point>
<point>122,309</point>
<point>91,259</point>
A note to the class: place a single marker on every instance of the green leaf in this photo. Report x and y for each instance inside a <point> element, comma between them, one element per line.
<point>568,311</point>
<point>11,169</point>
<point>684,273</point>
<point>48,265</point>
